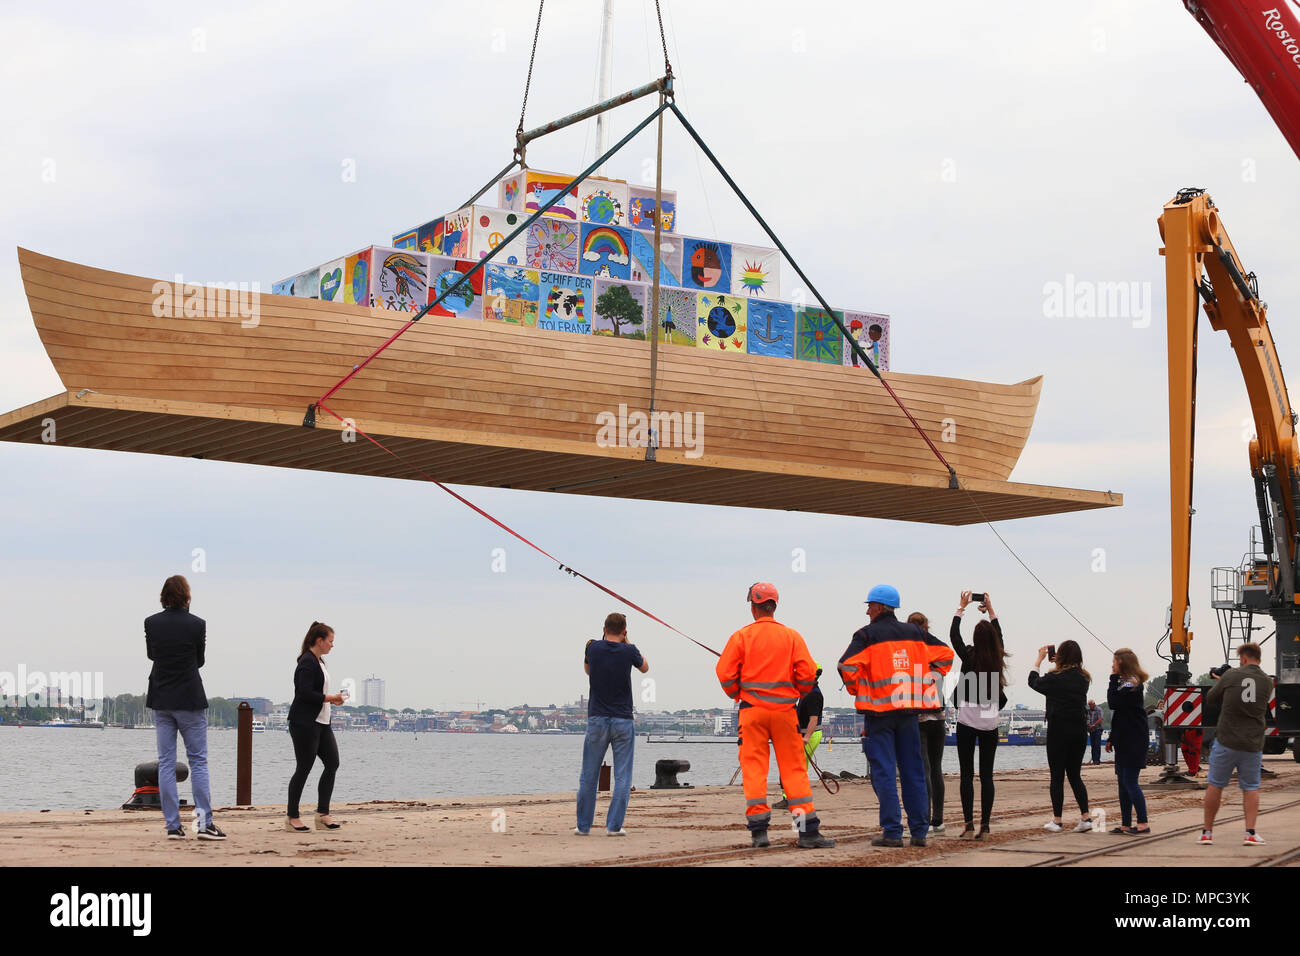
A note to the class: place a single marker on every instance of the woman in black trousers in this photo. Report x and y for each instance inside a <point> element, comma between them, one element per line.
<point>309,727</point>
<point>983,667</point>
<point>1128,737</point>
<point>1066,690</point>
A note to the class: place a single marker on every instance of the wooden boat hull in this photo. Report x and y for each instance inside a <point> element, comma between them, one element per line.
<point>488,403</point>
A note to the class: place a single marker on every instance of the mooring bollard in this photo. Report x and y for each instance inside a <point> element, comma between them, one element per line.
<point>244,756</point>
<point>666,772</point>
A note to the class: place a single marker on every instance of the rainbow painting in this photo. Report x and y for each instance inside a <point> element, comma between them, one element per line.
<point>605,252</point>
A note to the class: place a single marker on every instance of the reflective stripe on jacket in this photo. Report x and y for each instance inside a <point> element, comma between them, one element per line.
<point>891,665</point>
<point>766,664</point>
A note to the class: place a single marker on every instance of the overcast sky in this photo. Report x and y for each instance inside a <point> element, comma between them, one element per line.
<point>941,163</point>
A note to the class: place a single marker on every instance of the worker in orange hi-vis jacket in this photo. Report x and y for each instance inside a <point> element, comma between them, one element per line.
<point>767,668</point>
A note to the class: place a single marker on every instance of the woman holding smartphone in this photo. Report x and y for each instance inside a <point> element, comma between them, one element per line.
<point>1128,737</point>
<point>1066,690</point>
<point>978,698</point>
<point>309,727</point>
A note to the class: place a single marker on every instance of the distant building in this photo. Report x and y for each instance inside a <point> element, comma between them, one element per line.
<point>372,692</point>
<point>261,705</point>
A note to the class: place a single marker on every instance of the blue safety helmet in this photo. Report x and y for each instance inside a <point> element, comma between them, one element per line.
<point>884,594</point>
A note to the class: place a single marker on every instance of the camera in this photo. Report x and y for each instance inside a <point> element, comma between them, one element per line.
<point>1220,670</point>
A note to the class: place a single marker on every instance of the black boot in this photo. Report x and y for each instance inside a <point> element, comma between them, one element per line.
<point>760,839</point>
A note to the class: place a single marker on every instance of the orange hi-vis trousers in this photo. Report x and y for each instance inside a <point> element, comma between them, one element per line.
<point>760,727</point>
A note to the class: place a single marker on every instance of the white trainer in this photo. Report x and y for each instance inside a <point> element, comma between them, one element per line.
<point>1051,826</point>
<point>1083,827</point>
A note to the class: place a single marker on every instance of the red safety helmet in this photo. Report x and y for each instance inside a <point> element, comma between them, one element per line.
<point>760,593</point>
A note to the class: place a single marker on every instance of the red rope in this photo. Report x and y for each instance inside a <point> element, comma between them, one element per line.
<point>509,530</point>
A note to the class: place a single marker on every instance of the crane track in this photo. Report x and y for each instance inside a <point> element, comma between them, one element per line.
<point>1169,834</point>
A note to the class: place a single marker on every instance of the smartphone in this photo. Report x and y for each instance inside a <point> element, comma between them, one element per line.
<point>1051,652</point>
<point>977,597</point>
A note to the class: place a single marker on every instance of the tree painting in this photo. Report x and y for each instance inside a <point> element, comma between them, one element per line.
<point>619,307</point>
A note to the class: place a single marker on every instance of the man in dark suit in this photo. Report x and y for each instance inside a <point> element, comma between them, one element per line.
<point>175,640</point>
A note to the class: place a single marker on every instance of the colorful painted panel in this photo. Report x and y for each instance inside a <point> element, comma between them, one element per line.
<point>643,257</point>
<point>491,227</point>
<point>819,339</point>
<point>641,208</point>
<point>511,295</point>
<point>400,280</point>
<point>606,252</point>
<point>283,287</point>
<point>467,301</point>
<point>540,187</point>
<point>455,238</point>
<point>405,240</point>
<point>677,316</point>
<point>720,321</point>
<point>307,284</point>
<point>871,331</point>
<point>510,193</point>
<point>706,265</point>
<point>621,309</point>
<point>428,238</point>
<point>565,302</point>
<point>755,272</point>
<point>603,201</point>
<point>356,278</point>
<point>552,245</point>
<point>331,281</point>
<point>771,329</point>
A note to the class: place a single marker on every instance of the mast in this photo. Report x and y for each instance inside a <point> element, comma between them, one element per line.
<point>602,125</point>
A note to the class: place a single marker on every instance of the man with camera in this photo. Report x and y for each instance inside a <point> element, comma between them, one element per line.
<point>1242,694</point>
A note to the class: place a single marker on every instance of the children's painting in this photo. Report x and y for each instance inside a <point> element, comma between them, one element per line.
<point>819,339</point>
<point>456,230</point>
<point>641,208</point>
<point>771,328</point>
<point>621,309</point>
<point>510,192</point>
<point>356,278</point>
<point>720,322</point>
<point>283,287</point>
<point>677,316</point>
<point>552,244</point>
<point>542,187</point>
<point>606,252</point>
<point>428,238</point>
<point>871,331</point>
<point>306,285</point>
<point>511,295</point>
<point>565,302</point>
<point>707,265</point>
<point>467,301</point>
<point>331,281</point>
<point>643,257</point>
<point>755,272</point>
<point>401,280</point>
<point>491,229</point>
<point>603,202</point>
<point>405,240</point>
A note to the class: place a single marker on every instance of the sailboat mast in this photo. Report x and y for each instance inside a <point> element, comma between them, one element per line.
<point>606,41</point>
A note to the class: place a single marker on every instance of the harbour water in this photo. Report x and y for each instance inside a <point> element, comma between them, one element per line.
<point>64,769</point>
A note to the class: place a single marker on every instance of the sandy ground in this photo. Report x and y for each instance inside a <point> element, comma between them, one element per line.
<point>701,826</point>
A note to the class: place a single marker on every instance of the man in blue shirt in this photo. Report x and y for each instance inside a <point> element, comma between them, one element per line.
<point>609,662</point>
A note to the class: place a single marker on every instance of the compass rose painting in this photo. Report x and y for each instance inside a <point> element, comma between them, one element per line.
<point>819,339</point>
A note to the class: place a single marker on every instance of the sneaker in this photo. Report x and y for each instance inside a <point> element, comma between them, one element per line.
<point>211,832</point>
<point>177,834</point>
<point>1051,826</point>
<point>580,832</point>
<point>815,841</point>
<point>760,839</point>
<point>615,833</point>
<point>1253,839</point>
<point>887,841</point>
<point>1207,837</point>
<point>938,828</point>
<point>1083,827</point>
<point>917,841</point>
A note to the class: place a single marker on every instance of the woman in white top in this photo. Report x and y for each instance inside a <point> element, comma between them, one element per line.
<point>309,727</point>
<point>978,698</point>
